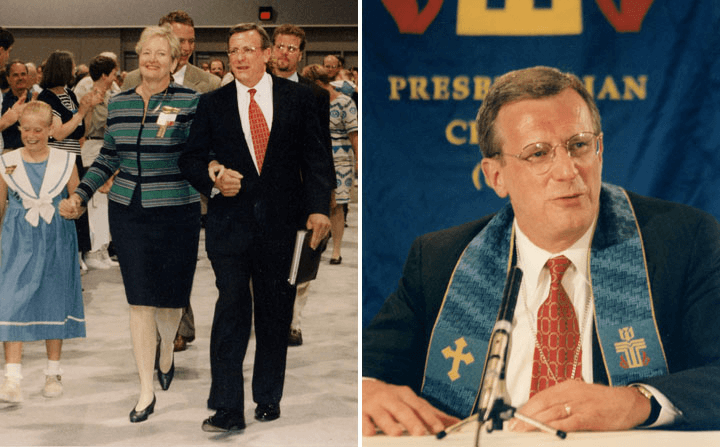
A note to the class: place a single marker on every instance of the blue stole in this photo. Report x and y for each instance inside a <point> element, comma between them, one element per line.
<point>624,316</point>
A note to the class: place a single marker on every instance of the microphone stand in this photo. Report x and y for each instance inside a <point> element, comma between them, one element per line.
<point>501,411</point>
<point>492,406</point>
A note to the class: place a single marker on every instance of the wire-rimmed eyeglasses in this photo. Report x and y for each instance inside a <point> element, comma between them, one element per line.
<point>245,51</point>
<point>292,49</point>
<point>540,156</point>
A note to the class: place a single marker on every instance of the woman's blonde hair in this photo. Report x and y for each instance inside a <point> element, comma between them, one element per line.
<point>160,31</point>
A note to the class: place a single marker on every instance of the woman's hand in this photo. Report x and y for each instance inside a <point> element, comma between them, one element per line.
<point>90,100</point>
<point>71,208</point>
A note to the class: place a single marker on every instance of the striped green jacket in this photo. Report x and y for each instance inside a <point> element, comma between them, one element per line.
<point>144,157</point>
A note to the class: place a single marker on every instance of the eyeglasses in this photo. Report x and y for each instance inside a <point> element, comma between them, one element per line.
<point>540,156</point>
<point>292,49</point>
<point>245,51</point>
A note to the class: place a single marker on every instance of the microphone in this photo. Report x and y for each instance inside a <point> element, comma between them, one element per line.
<point>492,385</point>
<point>494,376</point>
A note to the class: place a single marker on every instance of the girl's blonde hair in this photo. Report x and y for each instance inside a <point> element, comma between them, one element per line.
<point>38,108</point>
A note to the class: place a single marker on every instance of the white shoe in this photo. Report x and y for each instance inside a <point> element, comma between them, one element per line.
<point>108,260</point>
<point>94,260</point>
<point>10,391</point>
<point>53,386</point>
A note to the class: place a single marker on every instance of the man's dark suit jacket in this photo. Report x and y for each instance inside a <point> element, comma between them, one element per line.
<point>295,180</point>
<point>682,247</point>
<point>322,102</point>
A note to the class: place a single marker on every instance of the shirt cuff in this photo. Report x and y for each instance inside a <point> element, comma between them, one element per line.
<point>669,413</point>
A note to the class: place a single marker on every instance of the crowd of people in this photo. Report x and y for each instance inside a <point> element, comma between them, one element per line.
<point>102,168</point>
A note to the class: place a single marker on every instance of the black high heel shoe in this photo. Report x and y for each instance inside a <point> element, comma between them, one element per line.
<point>139,416</point>
<point>166,378</point>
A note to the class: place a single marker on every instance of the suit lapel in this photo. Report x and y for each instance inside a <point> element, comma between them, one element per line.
<point>191,78</point>
<point>230,110</point>
<point>281,114</point>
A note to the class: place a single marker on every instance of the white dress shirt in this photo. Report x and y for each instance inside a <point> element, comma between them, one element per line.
<point>179,76</point>
<point>264,99</point>
<point>534,290</point>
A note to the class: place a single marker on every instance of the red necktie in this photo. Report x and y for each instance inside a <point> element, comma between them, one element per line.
<point>258,130</point>
<point>558,333</point>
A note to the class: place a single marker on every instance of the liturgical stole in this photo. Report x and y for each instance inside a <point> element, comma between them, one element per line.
<point>624,315</point>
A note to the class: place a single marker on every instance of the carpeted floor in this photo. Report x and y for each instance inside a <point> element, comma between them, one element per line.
<point>319,407</point>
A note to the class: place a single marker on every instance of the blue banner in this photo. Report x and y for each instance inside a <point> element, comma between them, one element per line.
<point>653,67</point>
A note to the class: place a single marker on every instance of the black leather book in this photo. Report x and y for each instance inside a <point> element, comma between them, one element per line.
<point>306,261</point>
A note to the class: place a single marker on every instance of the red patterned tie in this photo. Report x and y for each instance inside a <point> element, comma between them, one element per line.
<point>558,333</point>
<point>258,130</point>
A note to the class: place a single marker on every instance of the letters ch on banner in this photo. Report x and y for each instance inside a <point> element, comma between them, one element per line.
<point>517,17</point>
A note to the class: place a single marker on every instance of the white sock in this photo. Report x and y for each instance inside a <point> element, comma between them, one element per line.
<point>53,368</point>
<point>13,371</point>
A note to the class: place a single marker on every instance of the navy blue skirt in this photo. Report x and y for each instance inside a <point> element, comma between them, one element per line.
<point>157,251</point>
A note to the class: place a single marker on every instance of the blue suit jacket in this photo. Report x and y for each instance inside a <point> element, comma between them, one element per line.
<point>682,247</point>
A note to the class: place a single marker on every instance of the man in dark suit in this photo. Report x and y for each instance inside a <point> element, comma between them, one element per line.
<point>638,326</point>
<point>288,46</point>
<point>258,202</point>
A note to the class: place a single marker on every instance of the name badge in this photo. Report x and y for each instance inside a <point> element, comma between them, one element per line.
<point>167,117</point>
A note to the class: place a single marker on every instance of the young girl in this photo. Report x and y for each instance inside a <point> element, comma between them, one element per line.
<point>40,289</point>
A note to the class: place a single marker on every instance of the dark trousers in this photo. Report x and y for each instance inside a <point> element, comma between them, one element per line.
<point>271,300</point>
<point>82,224</point>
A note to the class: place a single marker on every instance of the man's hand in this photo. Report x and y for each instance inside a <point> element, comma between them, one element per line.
<point>105,188</point>
<point>574,405</point>
<point>320,225</point>
<point>395,409</point>
<point>226,180</point>
<point>215,169</point>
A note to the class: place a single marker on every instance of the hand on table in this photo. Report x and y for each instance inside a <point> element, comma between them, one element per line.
<point>395,409</point>
<point>574,405</point>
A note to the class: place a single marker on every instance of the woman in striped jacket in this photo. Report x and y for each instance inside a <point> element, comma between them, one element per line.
<point>154,213</point>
